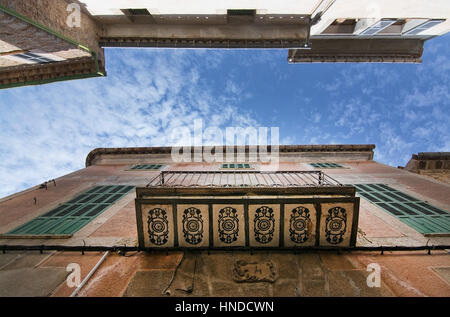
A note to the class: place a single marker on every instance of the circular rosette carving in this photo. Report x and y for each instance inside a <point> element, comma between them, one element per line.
<point>336,225</point>
<point>228,225</point>
<point>193,226</point>
<point>158,226</point>
<point>264,224</point>
<point>300,225</point>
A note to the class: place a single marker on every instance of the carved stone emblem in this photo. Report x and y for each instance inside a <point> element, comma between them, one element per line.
<point>245,272</point>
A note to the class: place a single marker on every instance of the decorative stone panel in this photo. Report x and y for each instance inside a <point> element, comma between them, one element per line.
<point>229,225</point>
<point>193,225</point>
<point>247,222</point>
<point>264,225</point>
<point>300,225</point>
<point>158,226</point>
<point>336,224</point>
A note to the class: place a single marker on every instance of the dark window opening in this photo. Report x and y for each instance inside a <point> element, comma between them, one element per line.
<point>341,26</point>
<point>137,12</point>
<point>241,12</point>
<point>394,29</point>
<point>241,16</point>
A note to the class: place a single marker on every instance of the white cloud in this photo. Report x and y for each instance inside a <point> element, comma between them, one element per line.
<point>47,131</point>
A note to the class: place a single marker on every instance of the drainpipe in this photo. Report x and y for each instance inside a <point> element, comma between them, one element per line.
<point>321,8</point>
<point>314,19</point>
<point>87,278</point>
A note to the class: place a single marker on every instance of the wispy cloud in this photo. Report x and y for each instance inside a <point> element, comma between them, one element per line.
<point>47,131</point>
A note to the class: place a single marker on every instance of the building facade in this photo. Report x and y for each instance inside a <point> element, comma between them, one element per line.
<point>49,40</point>
<point>434,164</point>
<point>312,227</point>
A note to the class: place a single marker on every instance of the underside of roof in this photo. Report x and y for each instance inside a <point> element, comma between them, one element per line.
<point>360,50</point>
<point>432,156</point>
<point>350,148</point>
<point>31,27</point>
<point>34,50</point>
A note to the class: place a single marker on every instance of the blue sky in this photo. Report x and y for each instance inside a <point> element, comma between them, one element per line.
<point>47,131</point>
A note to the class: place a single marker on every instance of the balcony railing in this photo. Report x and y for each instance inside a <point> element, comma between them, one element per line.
<point>226,179</point>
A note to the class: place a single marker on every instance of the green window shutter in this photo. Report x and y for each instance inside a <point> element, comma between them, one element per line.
<point>147,167</point>
<point>326,165</point>
<point>237,166</point>
<point>417,214</point>
<point>74,214</point>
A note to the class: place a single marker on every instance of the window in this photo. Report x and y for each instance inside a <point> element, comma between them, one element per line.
<point>69,217</point>
<point>378,27</point>
<point>341,27</point>
<point>423,27</point>
<point>147,167</point>
<point>395,28</point>
<point>137,12</point>
<point>417,214</point>
<point>241,12</point>
<point>241,16</point>
<point>237,166</point>
<point>34,58</point>
<point>326,165</point>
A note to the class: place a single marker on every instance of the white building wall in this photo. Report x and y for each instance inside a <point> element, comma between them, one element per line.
<point>111,7</point>
<point>374,9</point>
<point>378,9</point>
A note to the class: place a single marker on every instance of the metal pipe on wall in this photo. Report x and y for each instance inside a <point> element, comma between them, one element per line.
<point>87,278</point>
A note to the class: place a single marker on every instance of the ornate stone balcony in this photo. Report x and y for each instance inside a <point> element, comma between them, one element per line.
<point>246,210</point>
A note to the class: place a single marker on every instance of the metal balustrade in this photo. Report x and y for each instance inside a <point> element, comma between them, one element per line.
<point>241,178</point>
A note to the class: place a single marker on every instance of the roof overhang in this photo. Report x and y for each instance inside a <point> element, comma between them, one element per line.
<point>118,155</point>
<point>360,50</point>
<point>432,156</point>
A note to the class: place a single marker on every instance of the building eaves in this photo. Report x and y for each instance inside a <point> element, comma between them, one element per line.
<point>432,156</point>
<point>81,62</point>
<point>282,149</point>
<point>25,75</point>
<point>360,50</point>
